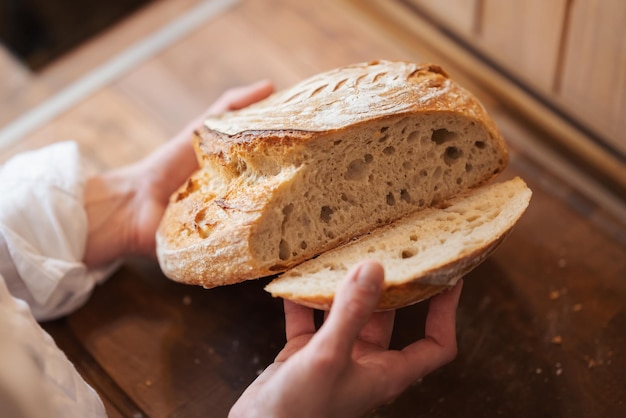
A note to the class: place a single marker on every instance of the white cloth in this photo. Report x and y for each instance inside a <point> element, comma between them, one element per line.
<point>43,231</point>
<point>36,378</point>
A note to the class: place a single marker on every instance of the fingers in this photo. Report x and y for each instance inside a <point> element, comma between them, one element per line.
<point>298,320</point>
<point>299,328</point>
<point>441,319</point>
<point>176,160</point>
<point>354,303</point>
<point>379,329</point>
<point>439,345</point>
<point>240,97</point>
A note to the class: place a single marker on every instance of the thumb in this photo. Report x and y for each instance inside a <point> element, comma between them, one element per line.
<point>240,97</point>
<point>353,306</point>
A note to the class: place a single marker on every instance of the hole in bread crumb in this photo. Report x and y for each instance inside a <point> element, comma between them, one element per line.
<point>200,216</point>
<point>389,150</point>
<point>278,267</point>
<point>452,155</point>
<point>424,173</point>
<point>191,186</point>
<point>468,167</point>
<point>357,168</point>
<point>439,136</point>
<point>480,144</point>
<point>326,213</point>
<point>371,250</point>
<point>383,138</point>
<point>384,129</point>
<point>283,250</point>
<point>303,245</point>
<point>287,210</point>
<point>405,196</point>
<point>337,142</point>
<point>407,165</point>
<point>413,136</point>
<point>472,218</point>
<point>391,200</point>
<point>407,254</point>
<point>459,180</point>
<point>413,237</point>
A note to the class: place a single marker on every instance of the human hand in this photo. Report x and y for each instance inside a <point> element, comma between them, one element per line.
<point>346,368</point>
<point>124,206</point>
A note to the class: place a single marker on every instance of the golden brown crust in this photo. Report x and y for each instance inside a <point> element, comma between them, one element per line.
<point>292,117</point>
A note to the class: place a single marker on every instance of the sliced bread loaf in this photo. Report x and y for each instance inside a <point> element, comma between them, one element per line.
<point>423,254</point>
<point>311,167</point>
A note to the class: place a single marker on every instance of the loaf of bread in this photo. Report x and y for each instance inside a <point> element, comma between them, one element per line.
<point>314,166</point>
<point>423,254</point>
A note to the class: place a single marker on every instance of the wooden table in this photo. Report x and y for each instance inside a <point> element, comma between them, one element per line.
<point>541,324</point>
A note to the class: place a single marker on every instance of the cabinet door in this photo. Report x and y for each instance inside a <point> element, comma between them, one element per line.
<point>593,85</point>
<point>524,38</point>
<point>458,16</point>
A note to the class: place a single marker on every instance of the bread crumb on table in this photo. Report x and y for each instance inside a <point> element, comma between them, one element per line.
<point>557,339</point>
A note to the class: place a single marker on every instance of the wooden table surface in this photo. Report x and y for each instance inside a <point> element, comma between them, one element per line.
<point>541,323</point>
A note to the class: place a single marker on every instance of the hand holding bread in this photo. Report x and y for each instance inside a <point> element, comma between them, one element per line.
<point>125,205</point>
<point>346,368</point>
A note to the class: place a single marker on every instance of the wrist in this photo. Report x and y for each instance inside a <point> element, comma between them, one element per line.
<point>108,234</point>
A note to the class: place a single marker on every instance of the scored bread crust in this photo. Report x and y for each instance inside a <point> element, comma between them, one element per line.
<point>423,253</point>
<point>241,215</point>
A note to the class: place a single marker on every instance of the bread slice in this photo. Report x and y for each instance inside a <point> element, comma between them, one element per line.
<point>422,254</point>
<point>311,167</point>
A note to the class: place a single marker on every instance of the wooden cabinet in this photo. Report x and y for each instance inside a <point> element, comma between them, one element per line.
<point>524,38</point>
<point>458,15</point>
<point>593,79</point>
<point>570,53</point>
